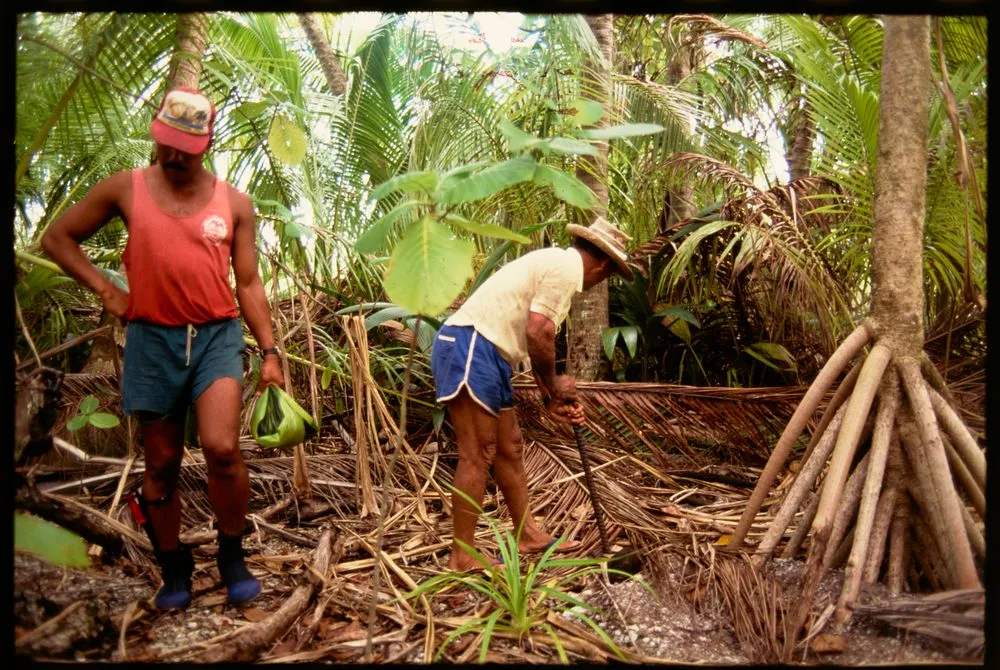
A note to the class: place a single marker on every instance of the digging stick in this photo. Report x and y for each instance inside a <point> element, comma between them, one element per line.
<point>594,499</point>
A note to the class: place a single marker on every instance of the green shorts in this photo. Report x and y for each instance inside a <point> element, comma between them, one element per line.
<point>166,368</point>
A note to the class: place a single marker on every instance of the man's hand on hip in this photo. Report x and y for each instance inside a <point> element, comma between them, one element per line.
<point>115,301</point>
<point>270,373</point>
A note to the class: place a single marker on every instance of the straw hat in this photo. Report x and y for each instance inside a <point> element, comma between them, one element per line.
<point>606,237</point>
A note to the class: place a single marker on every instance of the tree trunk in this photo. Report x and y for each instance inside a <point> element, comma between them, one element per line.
<point>678,203</point>
<point>589,310</point>
<point>192,39</point>
<point>335,78</point>
<point>799,133</point>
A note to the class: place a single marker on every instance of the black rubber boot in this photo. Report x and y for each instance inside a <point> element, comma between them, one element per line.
<point>176,565</point>
<point>241,585</point>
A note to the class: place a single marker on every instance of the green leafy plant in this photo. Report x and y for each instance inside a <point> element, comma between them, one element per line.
<point>50,541</point>
<point>521,603</point>
<point>88,414</point>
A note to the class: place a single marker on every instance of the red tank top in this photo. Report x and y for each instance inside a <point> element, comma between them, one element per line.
<point>178,266</point>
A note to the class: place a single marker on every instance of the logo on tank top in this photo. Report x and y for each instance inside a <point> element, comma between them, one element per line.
<point>213,229</point>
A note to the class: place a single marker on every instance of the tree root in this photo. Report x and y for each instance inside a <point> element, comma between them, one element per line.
<point>919,446</point>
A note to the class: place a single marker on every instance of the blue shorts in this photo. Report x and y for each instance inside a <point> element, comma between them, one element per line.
<point>463,357</point>
<point>165,370</point>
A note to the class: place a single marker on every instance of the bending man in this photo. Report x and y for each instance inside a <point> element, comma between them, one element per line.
<point>513,317</point>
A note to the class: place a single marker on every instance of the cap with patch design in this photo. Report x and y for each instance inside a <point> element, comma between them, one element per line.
<point>184,121</point>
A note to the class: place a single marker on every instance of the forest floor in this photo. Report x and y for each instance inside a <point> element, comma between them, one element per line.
<point>666,627</point>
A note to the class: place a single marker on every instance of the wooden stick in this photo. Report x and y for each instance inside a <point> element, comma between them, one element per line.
<point>923,413</point>
<point>313,387</point>
<point>884,511</point>
<point>844,353</point>
<point>80,339</point>
<point>960,436</point>
<point>802,528</point>
<point>800,487</point>
<point>843,452</point>
<point>976,538</point>
<point>850,432</point>
<point>879,455</point>
<point>842,393</point>
<point>965,478</point>
<point>927,551</point>
<point>921,488</point>
<point>899,546</point>
<point>847,507</point>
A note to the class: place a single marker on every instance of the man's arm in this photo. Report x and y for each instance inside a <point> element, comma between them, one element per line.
<point>249,288</point>
<point>62,239</point>
<point>559,391</point>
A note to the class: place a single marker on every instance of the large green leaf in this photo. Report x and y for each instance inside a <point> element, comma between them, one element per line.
<point>623,130</point>
<point>487,229</point>
<point>428,268</point>
<point>287,141</point>
<point>411,182</point>
<point>566,187</point>
<point>53,543</point>
<point>374,238</point>
<point>487,182</point>
<point>609,338</point>
<point>766,352</point>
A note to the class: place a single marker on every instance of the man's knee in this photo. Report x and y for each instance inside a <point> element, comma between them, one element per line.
<point>222,453</point>
<point>481,455</point>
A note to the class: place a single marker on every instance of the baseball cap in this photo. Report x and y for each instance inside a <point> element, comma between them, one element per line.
<point>184,121</point>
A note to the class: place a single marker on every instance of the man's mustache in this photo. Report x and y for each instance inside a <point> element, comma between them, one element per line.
<point>173,165</point>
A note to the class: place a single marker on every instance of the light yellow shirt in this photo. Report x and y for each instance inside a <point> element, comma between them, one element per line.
<point>542,281</point>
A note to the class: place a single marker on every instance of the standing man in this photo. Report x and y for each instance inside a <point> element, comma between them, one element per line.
<point>512,318</point>
<point>186,228</point>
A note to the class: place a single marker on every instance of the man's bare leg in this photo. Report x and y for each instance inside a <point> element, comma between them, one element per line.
<point>163,448</point>
<point>476,435</point>
<point>512,480</point>
<point>218,409</point>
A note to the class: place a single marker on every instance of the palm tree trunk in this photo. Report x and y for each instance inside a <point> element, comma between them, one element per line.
<point>589,310</point>
<point>335,77</point>
<point>192,39</point>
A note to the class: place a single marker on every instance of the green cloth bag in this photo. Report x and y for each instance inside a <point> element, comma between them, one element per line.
<point>279,421</point>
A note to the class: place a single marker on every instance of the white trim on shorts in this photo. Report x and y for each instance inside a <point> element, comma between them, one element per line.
<point>465,378</point>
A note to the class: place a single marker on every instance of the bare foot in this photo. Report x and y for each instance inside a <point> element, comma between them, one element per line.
<point>528,547</point>
<point>460,561</point>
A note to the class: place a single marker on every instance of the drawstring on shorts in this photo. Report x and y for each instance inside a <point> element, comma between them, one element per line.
<point>191,333</point>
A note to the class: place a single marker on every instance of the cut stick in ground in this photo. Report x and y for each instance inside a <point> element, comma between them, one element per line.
<point>843,452</point>
<point>961,438</point>
<point>831,370</point>
<point>921,487</point>
<point>840,396</point>
<point>884,513</point>
<point>930,437</point>
<point>927,552</point>
<point>802,529</point>
<point>804,481</point>
<point>965,479</point>
<point>899,547</point>
<point>251,641</point>
<point>878,457</point>
<point>846,509</point>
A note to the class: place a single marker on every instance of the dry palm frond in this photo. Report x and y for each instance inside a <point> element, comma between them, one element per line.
<point>954,618</point>
<point>700,25</point>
